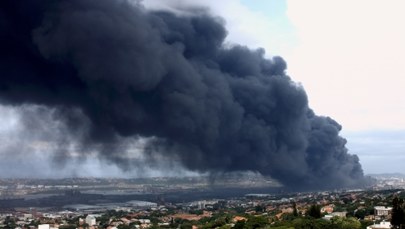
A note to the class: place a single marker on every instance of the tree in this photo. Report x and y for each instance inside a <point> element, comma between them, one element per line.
<point>104,220</point>
<point>351,223</point>
<point>239,224</point>
<point>9,222</point>
<point>69,226</point>
<point>398,213</point>
<point>295,211</point>
<point>124,226</point>
<point>314,211</point>
<point>259,208</point>
<point>360,213</point>
<point>366,223</point>
<point>304,223</point>
<point>256,222</point>
<point>186,225</point>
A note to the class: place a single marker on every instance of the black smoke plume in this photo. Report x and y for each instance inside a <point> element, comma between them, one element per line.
<point>113,70</point>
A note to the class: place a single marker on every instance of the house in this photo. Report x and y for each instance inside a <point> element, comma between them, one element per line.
<point>327,209</point>
<point>91,220</point>
<point>239,218</point>
<point>43,226</point>
<point>339,214</point>
<point>382,212</point>
<point>382,225</point>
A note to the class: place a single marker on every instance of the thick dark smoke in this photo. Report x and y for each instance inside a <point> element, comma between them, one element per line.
<point>114,71</point>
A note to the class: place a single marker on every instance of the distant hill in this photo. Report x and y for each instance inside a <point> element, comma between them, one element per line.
<point>387,175</point>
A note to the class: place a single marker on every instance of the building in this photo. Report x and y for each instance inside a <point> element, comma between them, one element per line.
<point>327,209</point>
<point>339,214</point>
<point>90,220</point>
<point>239,218</point>
<point>382,212</point>
<point>382,225</point>
<point>43,226</point>
<point>335,214</point>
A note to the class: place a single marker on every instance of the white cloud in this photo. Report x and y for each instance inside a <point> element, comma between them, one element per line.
<point>350,60</point>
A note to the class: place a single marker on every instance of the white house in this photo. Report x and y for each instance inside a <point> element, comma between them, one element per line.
<point>382,211</point>
<point>43,226</point>
<point>382,225</point>
<point>90,220</point>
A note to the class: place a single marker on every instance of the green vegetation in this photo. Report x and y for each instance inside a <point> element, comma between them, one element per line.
<point>224,221</point>
<point>315,211</point>
<point>9,223</point>
<point>67,226</point>
<point>398,213</point>
<point>290,211</point>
